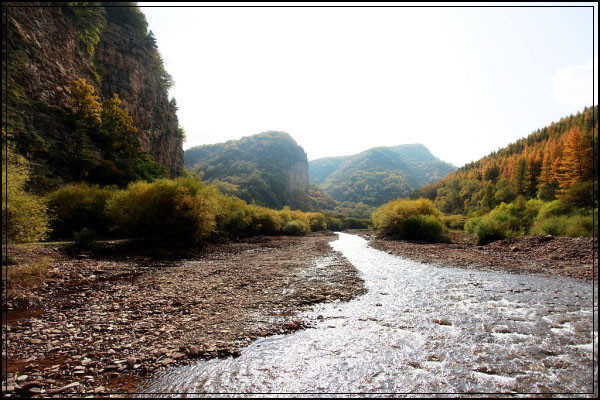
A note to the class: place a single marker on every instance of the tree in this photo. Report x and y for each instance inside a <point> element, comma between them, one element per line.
<point>25,214</point>
<point>85,105</point>
<point>576,164</point>
<point>520,176</point>
<point>492,173</point>
<point>118,130</point>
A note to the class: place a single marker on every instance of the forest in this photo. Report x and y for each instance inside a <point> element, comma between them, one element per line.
<point>268,169</point>
<point>542,184</point>
<point>377,175</point>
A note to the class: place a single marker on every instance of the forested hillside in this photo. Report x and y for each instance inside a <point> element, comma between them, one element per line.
<point>553,162</point>
<point>269,169</point>
<point>377,175</point>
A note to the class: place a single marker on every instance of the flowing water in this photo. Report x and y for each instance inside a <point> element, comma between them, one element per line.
<point>419,329</point>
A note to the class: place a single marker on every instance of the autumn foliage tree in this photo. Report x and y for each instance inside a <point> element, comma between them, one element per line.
<point>24,215</point>
<point>85,104</point>
<point>576,163</point>
<point>106,127</point>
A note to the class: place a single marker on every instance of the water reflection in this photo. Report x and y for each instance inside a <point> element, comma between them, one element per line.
<point>419,329</point>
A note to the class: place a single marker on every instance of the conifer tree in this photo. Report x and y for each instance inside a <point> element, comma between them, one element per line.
<point>576,164</point>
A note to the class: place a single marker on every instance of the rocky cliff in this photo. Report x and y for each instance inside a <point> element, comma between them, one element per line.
<point>270,169</point>
<point>46,47</point>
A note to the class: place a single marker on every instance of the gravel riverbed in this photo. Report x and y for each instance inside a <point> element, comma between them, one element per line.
<point>97,325</point>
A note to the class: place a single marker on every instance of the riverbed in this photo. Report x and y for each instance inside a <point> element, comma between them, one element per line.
<point>419,329</point>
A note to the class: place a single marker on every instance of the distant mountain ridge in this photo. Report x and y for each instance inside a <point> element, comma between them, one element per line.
<point>378,175</point>
<point>270,169</point>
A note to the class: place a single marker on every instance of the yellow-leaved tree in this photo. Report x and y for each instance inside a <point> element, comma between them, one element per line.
<point>24,215</point>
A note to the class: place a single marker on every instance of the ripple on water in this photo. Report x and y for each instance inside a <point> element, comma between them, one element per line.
<point>501,333</point>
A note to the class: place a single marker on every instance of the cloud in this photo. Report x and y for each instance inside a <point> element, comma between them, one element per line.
<point>572,85</point>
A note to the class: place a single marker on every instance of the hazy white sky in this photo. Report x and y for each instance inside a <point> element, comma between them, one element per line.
<point>462,81</point>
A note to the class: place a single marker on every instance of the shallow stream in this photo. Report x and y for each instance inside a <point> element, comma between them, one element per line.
<point>419,329</point>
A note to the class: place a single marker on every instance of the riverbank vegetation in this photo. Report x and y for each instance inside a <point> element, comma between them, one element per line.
<point>410,220</point>
<point>542,184</point>
<point>182,212</point>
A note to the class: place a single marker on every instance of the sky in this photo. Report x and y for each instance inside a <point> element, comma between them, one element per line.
<point>462,81</point>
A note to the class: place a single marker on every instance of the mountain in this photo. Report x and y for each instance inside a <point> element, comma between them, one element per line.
<point>378,175</point>
<point>46,49</point>
<point>547,164</point>
<point>269,169</point>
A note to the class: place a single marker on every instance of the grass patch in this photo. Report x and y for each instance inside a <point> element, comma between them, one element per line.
<point>25,275</point>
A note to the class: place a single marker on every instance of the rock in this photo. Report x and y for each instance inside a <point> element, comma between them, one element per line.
<point>31,384</point>
<point>194,351</point>
<point>70,386</point>
<point>441,321</point>
<point>166,361</point>
<point>131,362</point>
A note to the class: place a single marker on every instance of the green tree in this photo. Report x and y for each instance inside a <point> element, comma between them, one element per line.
<point>24,215</point>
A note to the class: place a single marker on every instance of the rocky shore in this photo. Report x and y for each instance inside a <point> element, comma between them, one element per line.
<point>99,325</point>
<point>550,255</point>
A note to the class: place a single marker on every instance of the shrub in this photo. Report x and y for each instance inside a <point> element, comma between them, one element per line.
<point>489,230</point>
<point>317,222</point>
<point>454,221</point>
<point>24,215</point>
<point>471,224</point>
<point>410,219</point>
<point>566,225</point>
<point>79,207</point>
<point>180,211</point>
<point>560,218</point>
<point>506,220</point>
<point>296,227</point>
<point>264,221</point>
<point>233,218</point>
<point>334,223</point>
<point>355,223</point>
<point>425,227</point>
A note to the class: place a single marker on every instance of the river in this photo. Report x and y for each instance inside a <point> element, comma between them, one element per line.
<point>419,329</point>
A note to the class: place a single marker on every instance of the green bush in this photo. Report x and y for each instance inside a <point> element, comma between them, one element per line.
<point>489,230</point>
<point>566,225</point>
<point>174,212</point>
<point>264,221</point>
<point>24,215</point>
<point>334,223</point>
<point>471,224</point>
<point>410,219</point>
<point>562,218</point>
<point>77,207</point>
<point>233,218</point>
<point>296,227</point>
<point>425,227</point>
<point>506,220</point>
<point>317,222</point>
<point>454,221</point>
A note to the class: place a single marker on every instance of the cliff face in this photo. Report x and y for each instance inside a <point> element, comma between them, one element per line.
<point>45,48</point>
<point>124,59</point>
